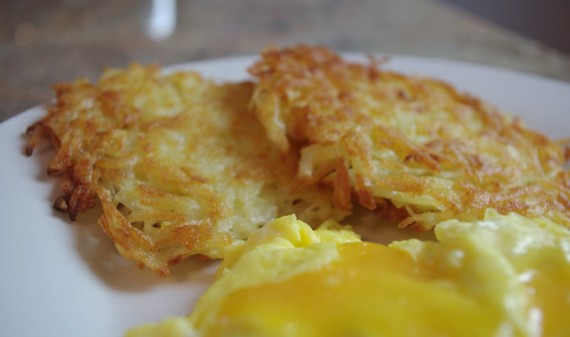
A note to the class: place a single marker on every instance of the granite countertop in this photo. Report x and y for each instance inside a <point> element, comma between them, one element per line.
<point>47,41</point>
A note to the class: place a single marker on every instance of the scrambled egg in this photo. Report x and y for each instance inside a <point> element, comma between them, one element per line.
<point>503,276</point>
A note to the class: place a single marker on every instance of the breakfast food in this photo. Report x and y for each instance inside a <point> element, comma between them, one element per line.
<point>413,149</point>
<point>182,165</point>
<point>505,275</point>
<point>178,163</point>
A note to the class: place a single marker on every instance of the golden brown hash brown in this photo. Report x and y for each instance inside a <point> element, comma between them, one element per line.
<point>178,163</point>
<point>412,148</point>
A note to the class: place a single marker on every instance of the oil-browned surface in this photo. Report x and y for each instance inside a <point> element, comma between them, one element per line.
<point>180,164</point>
<point>414,149</point>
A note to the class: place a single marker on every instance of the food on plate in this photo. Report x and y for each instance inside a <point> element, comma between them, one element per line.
<point>182,165</point>
<point>413,149</point>
<point>505,275</point>
<point>178,163</point>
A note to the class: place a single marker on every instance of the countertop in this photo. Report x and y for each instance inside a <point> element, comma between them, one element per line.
<point>45,41</point>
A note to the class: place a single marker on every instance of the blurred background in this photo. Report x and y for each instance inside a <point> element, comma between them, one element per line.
<point>47,41</point>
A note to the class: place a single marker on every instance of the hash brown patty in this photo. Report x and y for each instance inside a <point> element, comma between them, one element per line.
<point>179,163</point>
<point>411,148</point>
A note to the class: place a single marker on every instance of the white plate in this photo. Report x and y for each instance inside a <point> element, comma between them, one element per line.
<point>65,279</point>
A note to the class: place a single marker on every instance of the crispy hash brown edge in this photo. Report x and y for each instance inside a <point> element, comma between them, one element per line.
<point>78,182</point>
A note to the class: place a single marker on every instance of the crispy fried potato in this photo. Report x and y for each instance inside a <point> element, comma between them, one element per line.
<point>414,149</point>
<point>179,164</point>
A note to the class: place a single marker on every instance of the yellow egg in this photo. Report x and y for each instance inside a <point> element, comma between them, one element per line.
<point>503,276</point>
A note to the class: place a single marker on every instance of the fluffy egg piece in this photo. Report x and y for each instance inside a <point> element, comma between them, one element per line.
<point>503,276</point>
